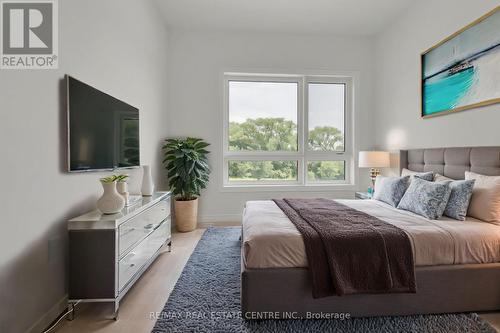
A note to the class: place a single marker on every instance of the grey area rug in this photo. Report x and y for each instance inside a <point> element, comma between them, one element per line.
<point>206,298</point>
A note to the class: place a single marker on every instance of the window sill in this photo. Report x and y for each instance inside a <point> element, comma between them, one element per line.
<point>288,188</point>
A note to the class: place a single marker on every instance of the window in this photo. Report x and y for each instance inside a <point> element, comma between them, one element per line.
<point>262,171</point>
<point>263,116</point>
<point>326,116</point>
<point>287,130</point>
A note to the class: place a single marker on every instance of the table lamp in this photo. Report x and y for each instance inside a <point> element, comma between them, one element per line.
<point>374,160</point>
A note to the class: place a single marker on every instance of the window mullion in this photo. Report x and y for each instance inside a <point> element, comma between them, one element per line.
<point>263,157</point>
<point>302,120</point>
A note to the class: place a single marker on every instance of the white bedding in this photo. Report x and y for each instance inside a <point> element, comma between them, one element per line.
<point>270,239</point>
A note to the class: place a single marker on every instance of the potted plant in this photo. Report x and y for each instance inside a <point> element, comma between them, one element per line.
<point>187,171</point>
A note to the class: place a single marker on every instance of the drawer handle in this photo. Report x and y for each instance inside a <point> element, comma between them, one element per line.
<point>148,226</point>
<point>129,256</point>
<point>132,265</point>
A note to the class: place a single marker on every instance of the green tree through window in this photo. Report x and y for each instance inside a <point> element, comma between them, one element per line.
<point>278,134</point>
<point>263,134</point>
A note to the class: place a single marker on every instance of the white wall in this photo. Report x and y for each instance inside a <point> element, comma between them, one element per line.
<point>117,46</point>
<point>196,64</point>
<point>397,80</point>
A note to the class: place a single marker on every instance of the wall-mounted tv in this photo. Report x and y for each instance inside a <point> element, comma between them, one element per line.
<point>103,132</point>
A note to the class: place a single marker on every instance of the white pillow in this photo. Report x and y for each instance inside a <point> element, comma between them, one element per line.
<point>440,178</point>
<point>485,201</point>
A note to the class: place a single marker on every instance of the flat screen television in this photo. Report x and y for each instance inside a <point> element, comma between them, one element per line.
<point>103,132</point>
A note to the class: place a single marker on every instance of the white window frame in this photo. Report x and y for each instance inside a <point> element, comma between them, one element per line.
<point>302,155</point>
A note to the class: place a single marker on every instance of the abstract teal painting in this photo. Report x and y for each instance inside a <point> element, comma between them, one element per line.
<point>463,71</point>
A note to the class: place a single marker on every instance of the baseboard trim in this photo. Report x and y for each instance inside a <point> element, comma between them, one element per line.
<point>45,320</point>
<point>204,225</point>
<point>220,218</point>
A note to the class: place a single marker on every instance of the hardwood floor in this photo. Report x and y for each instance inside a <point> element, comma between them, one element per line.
<point>150,294</point>
<point>493,318</point>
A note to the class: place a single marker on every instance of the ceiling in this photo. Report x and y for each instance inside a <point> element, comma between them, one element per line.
<point>339,17</point>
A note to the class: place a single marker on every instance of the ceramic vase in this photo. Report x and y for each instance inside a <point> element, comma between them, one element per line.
<point>111,202</point>
<point>122,188</point>
<point>148,187</point>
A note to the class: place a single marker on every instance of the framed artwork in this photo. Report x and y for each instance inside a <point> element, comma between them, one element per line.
<point>463,71</point>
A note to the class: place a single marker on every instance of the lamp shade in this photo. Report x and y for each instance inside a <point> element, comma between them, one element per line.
<point>374,159</point>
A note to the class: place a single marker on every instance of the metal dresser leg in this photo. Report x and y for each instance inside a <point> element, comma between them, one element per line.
<point>116,310</point>
<point>71,311</point>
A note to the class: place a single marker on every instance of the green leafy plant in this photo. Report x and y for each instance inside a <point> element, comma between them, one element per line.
<point>187,167</point>
<point>108,179</point>
<point>114,178</point>
<point>121,178</point>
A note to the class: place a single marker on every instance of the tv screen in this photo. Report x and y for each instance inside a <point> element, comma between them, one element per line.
<point>103,131</point>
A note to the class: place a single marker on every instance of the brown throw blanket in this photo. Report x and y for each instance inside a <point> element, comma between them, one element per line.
<point>351,252</point>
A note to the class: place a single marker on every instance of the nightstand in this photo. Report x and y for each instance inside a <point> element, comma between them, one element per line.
<point>362,196</point>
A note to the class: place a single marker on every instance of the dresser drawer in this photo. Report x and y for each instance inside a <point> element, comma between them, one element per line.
<point>134,230</point>
<point>140,255</point>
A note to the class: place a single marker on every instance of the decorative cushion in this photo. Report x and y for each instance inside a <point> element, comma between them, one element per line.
<point>458,203</point>
<point>390,189</point>
<point>426,198</point>
<point>440,178</point>
<point>485,201</point>
<point>424,175</point>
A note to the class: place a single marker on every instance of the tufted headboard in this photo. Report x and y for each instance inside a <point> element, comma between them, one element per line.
<point>452,162</point>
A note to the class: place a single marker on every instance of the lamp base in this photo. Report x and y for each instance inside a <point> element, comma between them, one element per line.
<point>373,175</point>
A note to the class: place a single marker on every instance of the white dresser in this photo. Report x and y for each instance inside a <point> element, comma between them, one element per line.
<point>109,253</point>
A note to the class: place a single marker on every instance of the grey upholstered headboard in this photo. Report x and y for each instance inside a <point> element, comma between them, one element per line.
<point>452,162</point>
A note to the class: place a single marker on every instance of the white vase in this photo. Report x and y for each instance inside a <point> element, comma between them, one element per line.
<point>148,187</point>
<point>122,189</point>
<point>111,202</point>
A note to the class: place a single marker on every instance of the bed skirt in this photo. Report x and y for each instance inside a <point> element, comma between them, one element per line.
<point>285,293</point>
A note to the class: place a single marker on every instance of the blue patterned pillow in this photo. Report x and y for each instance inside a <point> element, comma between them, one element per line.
<point>424,175</point>
<point>458,204</point>
<point>426,198</point>
<point>390,189</point>
<point>429,176</point>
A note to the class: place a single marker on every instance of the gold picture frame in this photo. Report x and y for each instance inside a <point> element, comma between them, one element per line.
<point>436,46</point>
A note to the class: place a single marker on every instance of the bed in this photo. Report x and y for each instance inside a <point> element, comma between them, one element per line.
<point>457,264</point>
